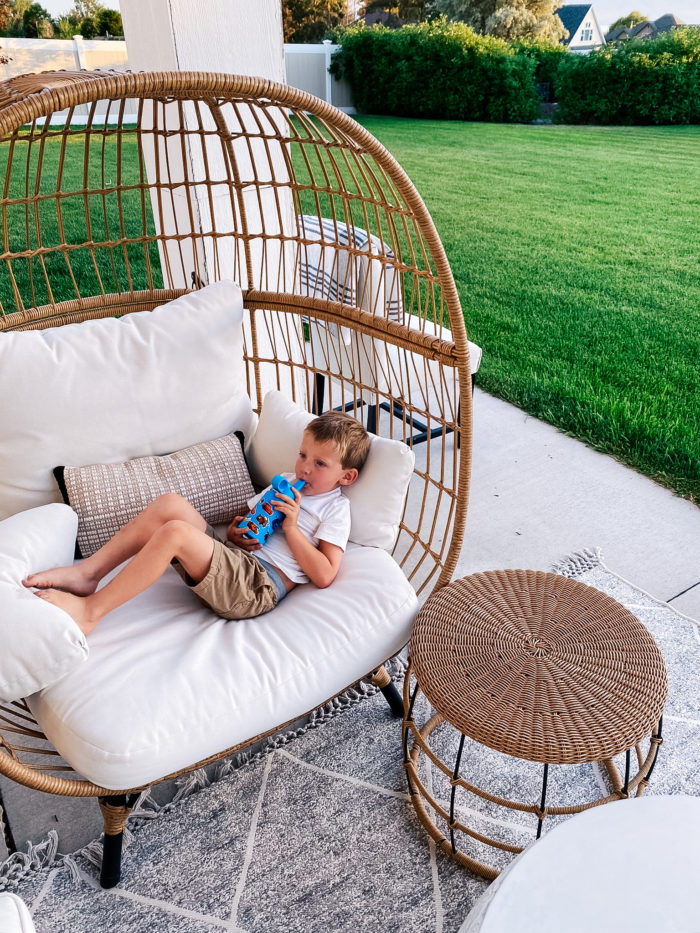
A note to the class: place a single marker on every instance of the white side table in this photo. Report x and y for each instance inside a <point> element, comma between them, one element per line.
<point>632,865</point>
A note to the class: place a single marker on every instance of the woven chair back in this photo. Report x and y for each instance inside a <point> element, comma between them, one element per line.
<point>239,178</point>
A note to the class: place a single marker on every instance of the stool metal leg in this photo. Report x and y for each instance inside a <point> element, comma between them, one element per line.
<point>455,777</point>
<point>408,717</point>
<point>625,789</point>
<point>543,800</point>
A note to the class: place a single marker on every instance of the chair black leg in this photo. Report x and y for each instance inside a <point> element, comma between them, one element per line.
<point>372,412</point>
<point>380,678</point>
<point>115,811</point>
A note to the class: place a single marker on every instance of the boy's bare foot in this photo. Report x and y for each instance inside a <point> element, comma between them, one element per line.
<point>69,579</point>
<point>76,606</point>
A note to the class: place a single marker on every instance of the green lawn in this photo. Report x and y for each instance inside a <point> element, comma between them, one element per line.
<point>88,164</point>
<point>576,252</point>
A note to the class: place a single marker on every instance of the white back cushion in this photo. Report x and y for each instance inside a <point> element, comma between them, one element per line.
<point>39,643</point>
<point>377,497</point>
<point>107,390</point>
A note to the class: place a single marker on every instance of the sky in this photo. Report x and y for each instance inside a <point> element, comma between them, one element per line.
<point>607,11</point>
<point>57,7</point>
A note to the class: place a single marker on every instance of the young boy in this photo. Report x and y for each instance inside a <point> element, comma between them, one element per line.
<point>227,576</point>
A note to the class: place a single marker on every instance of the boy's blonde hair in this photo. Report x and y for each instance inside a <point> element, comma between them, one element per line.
<point>346,433</point>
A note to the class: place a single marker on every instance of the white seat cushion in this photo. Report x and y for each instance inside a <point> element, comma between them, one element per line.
<point>168,683</point>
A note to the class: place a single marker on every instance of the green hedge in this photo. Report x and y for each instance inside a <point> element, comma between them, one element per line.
<point>436,70</point>
<point>641,81</point>
<point>547,57</point>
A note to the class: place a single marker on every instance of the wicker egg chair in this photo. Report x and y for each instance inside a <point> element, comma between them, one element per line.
<point>229,177</point>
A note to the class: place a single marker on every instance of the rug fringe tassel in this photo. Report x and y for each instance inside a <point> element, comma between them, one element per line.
<point>41,855</point>
<point>578,562</point>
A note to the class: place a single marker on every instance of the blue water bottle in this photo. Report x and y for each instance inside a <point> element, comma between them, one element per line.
<point>265,519</point>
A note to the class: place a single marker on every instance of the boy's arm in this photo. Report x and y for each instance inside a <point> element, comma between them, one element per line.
<point>320,564</point>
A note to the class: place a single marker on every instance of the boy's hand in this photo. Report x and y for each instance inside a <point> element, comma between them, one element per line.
<point>289,508</point>
<point>238,536</point>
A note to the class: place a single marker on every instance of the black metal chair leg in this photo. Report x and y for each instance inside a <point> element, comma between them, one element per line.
<point>319,393</point>
<point>115,811</point>
<point>380,678</point>
<point>111,871</point>
<point>372,412</point>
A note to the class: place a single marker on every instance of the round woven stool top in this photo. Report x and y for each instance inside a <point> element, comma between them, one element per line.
<point>538,666</point>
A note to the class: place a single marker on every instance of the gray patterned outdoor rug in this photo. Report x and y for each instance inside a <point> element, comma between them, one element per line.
<point>318,834</point>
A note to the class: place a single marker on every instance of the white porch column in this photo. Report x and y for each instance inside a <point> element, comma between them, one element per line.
<point>234,37</point>
<point>241,37</point>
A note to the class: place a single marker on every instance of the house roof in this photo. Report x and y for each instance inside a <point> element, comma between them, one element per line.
<point>572,16</point>
<point>622,32</point>
<point>646,29</point>
<point>667,21</point>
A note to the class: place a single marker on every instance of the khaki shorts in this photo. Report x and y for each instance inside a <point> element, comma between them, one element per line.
<point>237,586</point>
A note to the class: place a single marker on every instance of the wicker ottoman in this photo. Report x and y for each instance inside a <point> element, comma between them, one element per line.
<point>536,666</point>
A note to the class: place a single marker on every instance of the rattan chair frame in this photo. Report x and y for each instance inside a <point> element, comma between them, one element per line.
<point>221,166</point>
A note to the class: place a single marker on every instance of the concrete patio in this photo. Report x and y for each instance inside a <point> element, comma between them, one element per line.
<point>537,495</point>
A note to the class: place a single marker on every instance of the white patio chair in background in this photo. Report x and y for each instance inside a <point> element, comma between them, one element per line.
<point>341,262</point>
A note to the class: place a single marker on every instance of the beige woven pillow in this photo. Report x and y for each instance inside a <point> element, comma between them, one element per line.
<point>212,476</point>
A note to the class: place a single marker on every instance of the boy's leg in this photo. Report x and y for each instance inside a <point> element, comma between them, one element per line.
<point>82,579</point>
<point>192,547</point>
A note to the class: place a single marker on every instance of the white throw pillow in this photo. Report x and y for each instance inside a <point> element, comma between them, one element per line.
<point>274,446</point>
<point>378,495</point>
<point>39,643</point>
<point>107,390</point>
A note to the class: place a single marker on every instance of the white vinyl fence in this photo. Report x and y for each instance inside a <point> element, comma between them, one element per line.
<point>27,56</point>
<point>306,67</point>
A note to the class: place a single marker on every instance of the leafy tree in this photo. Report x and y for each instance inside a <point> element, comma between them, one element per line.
<point>508,19</point>
<point>527,19</point>
<point>88,28</point>
<point>310,20</point>
<point>474,13</point>
<point>414,11</point>
<point>110,21</point>
<point>409,11</point>
<point>67,26</point>
<point>630,20</point>
<point>15,27</point>
<point>83,9</point>
<point>6,13</point>
<point>37,22</point>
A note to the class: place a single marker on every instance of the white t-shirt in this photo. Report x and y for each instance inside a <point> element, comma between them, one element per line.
<point>325,517</point>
